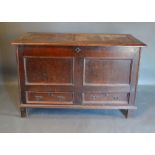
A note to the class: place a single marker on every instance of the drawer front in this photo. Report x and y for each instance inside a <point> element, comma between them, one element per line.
<point>105,98</point>
<point>50,97</point>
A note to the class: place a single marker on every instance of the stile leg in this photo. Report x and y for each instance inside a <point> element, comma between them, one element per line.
<point>23,112</point>
<point>130,113</point>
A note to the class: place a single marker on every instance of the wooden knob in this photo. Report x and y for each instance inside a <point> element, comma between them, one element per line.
<point>61,98</point>
<point>94,97</point>
<point>50,94</point>
<point>115,97</point>
<point>38,98</point>
<point>106,94</point>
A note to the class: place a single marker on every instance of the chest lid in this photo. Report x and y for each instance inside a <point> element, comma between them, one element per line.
<point>77,39</point>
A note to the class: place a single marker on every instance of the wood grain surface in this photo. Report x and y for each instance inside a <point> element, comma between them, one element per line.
<point>81,71</point>
<point>77,39</point>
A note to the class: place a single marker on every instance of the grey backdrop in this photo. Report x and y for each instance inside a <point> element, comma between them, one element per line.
<point>143,31</point>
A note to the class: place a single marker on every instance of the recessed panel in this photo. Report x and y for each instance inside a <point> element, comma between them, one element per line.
<point>49,70</point>
<point>100,72</point>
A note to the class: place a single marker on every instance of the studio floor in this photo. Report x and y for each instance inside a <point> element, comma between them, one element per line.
<point>79,121</point>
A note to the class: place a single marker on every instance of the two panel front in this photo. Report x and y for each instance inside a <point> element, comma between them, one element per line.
<point>105,79</point>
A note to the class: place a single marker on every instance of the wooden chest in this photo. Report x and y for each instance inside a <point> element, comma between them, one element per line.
<point>82,71</point>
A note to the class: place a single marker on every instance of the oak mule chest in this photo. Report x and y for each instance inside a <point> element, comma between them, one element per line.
<point>81,71</point>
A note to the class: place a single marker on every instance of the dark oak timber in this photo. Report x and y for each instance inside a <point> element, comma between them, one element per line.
<point>23,112</point>
<point>80,71</point>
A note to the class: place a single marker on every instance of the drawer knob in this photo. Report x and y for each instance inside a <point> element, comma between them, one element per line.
<point>38,98</point>
<point>94,97</point>
<point>50,94</point>
<point>106,94</point>
<point>60,98</point>
<point>115,97</point>
<point>77,50</point>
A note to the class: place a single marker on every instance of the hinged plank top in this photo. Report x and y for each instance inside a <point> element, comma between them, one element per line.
<point>77,39</point>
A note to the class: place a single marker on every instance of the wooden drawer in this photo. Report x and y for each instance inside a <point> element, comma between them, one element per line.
<point>105,98</point>
<point>50,97</point>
